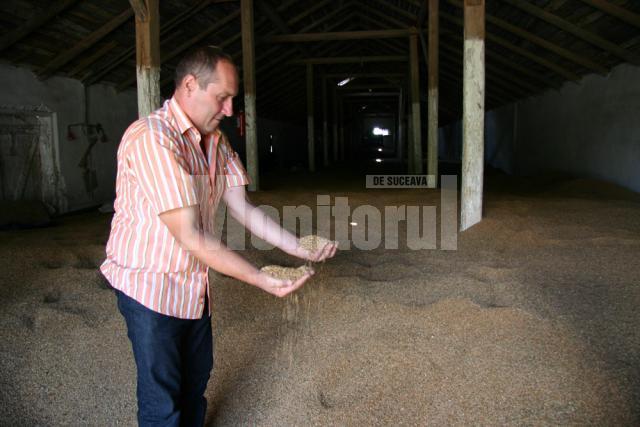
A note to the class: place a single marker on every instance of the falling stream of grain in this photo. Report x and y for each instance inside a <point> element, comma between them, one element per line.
<point>290,330</point>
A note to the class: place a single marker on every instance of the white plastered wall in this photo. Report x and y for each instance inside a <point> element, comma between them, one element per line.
<point>66,97</point>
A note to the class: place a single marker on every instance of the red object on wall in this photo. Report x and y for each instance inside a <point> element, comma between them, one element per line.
<point>241,123</point>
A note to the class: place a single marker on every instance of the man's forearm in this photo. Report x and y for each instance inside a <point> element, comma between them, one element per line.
<point>212,252</point>
<point>263,226</point>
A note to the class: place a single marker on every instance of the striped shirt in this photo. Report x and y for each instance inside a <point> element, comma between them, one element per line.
<point>161,167</point>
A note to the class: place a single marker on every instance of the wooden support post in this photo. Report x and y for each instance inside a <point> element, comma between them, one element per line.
<point>310,131</point>
<point>432,102</point>
<point>473,114</point>
<point>148,58</point>
<point>249,77</point>
<point>334,140</point>
<point>341,128</point>
<point>325,124</point>
<point>401,130</point>
<point>415,146</point>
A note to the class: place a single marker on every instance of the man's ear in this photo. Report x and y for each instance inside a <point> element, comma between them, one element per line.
<point>190,83</point>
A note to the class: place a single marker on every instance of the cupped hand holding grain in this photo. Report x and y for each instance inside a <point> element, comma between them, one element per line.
<point>316,248</point>
<point>281,281</point>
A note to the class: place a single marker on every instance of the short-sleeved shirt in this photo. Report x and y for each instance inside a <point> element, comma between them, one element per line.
<point>161,167</point>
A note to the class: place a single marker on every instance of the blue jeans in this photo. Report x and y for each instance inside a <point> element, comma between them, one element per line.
<point>174,359</point>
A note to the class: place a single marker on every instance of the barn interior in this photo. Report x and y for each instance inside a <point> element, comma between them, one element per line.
<point>514,303</point>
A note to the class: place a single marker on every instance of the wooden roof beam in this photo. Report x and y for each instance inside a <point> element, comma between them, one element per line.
<point>345,35</point>
<point>580,33</point>
<point>619,12</point>
<point>308,27</point>
<point>273,16</point>
<point>168,26</point>
<point>230,40</point>
<point>186,45</point>
<point>499,58</point>
<point>508,76</point>
<point>279,59</point>
<point>539,41</point>
<point>34,22</point>
<point>348,59</point>
<point>140,9</point>
<point>283,76</point>
<point>61,59</point>
<point>567,74</point>
<point>410,16</point>
<point>90,59</point>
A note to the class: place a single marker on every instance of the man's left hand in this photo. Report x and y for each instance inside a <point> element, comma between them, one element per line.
<point>320,254</point>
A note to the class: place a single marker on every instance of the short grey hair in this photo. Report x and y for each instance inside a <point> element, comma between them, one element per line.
<point>201,62</point>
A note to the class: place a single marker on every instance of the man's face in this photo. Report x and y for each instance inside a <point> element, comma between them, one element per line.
<point>210,105</point>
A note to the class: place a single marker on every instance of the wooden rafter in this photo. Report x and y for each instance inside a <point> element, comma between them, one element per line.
<point>36,21</point>
<point>348,59</point>
<point>85,43</point>
<point>564,72</point>
<point>581,33</point>
<point>164,30</point>
<point>531,75</point>
<point>612,9</point>
<point>341,35</point>
<point>540,41</point>
<point>522,83</point>
<point>186,45</point>
<point>90,59</point>
<point>198,38</point>
<point>275,18</point>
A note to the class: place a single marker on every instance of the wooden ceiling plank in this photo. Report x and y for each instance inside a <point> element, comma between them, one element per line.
<point>535,39</point>
<point>36,21</point>
<point>581,33</point>
<point>619,12</point>
<point>85,43</point>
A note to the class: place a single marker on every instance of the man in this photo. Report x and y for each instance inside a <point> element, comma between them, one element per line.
<point>174,167</point>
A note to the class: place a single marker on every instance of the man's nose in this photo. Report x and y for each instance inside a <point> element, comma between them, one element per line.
<point>227,107</point>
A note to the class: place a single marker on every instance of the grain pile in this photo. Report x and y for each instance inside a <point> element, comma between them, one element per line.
<point>532,321</point>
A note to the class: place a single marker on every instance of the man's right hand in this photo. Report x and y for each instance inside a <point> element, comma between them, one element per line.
<point>280,287</point>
